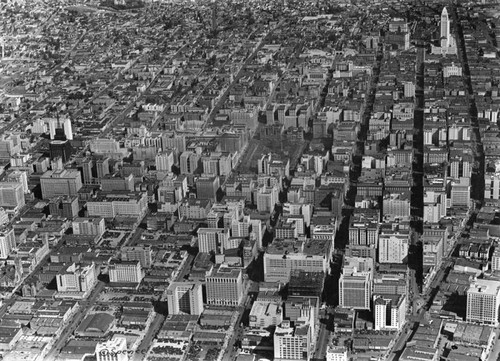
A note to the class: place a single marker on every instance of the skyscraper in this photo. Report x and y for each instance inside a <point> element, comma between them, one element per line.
<point>11,195</point>
<point>393,247</point>
<point>126,272</point>
<point>389,311</point>
<point>87,165</point>
<point>483,300</point>
<point>207,187</point>
<point>355,290</point>
<point>225,287</point>
<point>292,341</point>
<point>445,29</point>
<point>89,226</point>
<point>7,242</point>
<point>76,278</point>
<point>143,254</point>
<point>68,130</point>
<point>60,148</point>
<point>447,42</point>
<point>185,297</point>
<point>61,182</point>
<point>102,166</point>
<point>355,283</point>
<point>212,239</point>
<point>189,162</point>
<point>164,160</point>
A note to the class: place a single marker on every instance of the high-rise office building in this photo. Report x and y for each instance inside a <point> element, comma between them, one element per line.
<point>18,176</point>
<point>241,228</point>
<point>284,256</point>
<point>111,205</point>
<point>7,242</point>
<point>126,272</point>
<point>460,166</point>
<point>364,228</point>
<point>390,284</point>
<point>265,314</point>
<point>483,300</point>
<point>68,130</point>
<point>393,246</point>
<point>4,217</point>
<point>104,146</point>
<point>117,182</point>
<point>102,167</point>
<point>225,286</point>
<point>447,42</point>
<point>143,254</point>
<point>60,148</point>
<point>355,290</point>
<point>267,197</point>
<point>185,297</point>
<point>460,192</point>
<point>445,29</point>
<point>207,187</point>
<point>64,206</point>
<point>492,186</point>
<point>389,312</point>
<point>212,239</point>
<point>189,162</point>
<point>495,260</point>
<point>355,283</point>
<point>396,206</point>
<point>60,183</point>
<point>11,195</point>
<point>173,141</point>
<point>293,340</point>
<point>164,161</point>
<point>87,170</point>
<point>434,206</point>
<point>10,145</point>
<point>211,165</point>
<point>76,278</point>
<point>89,226</point>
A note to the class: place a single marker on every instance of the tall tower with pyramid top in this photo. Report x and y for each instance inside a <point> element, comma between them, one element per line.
<point>445,29</point>
<point>447,44</point>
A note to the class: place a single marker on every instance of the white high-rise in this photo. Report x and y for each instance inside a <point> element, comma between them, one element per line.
<point>7,242</point>
<point>185,298</point>
<point>483,300</point>
<point>389,311</point>
<point>76,278</point>
<point>68,130</point>
<point>447,42</point>
<point>164,161</point>
<point>445,29</point>
<point>393,247</point>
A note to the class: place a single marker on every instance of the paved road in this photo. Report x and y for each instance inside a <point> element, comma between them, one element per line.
<point>75,320</point>
<point>231,352</point>
<point>321,342</point>
<point>146,342</point>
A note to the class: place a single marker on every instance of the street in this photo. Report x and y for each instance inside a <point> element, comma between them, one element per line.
<point>85,306</point>
<point>146,342</point>
<point>321,342</point>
